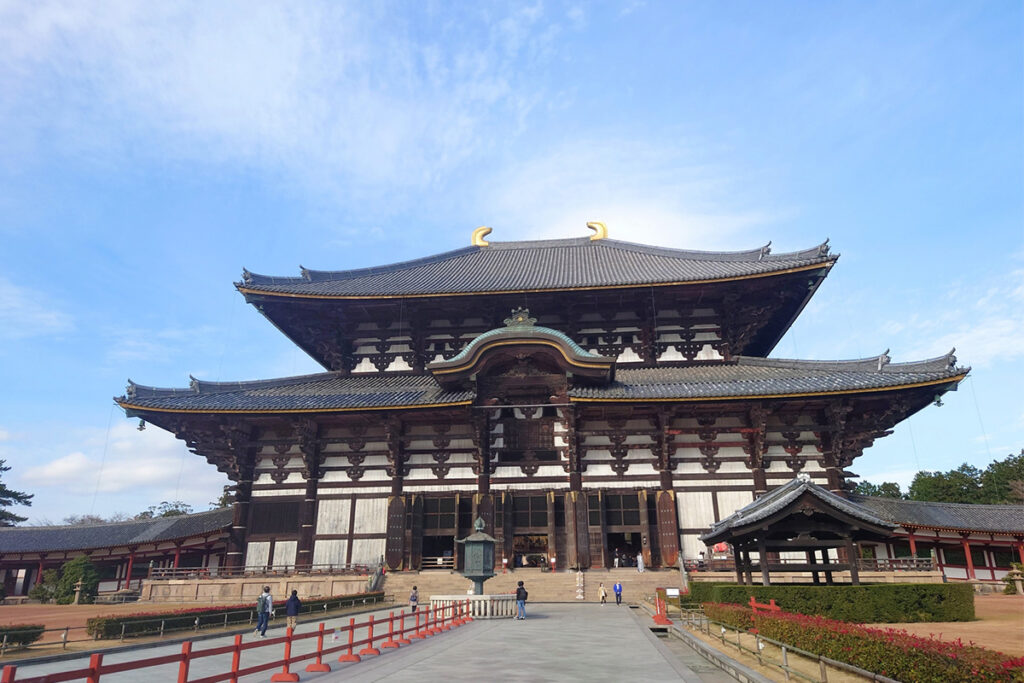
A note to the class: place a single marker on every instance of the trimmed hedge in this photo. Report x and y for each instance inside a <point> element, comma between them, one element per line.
<point>874,603</point>
<point>890,652</point>
<point>20,635</point>
<point>149,623</point>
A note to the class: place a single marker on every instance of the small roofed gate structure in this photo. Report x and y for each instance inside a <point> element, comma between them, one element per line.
<point>798,517</point>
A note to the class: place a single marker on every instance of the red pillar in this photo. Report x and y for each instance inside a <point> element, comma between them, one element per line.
<point>39,576</point>
<point>177,554</point>
<point>128,572</point>
<point>913,544</point>
<point>1020,550</point>
<point>970,561</point>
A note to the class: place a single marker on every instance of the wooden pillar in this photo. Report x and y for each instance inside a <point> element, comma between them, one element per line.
<point>852,555</point>
<point>913,544</point>
<point>234,558</point>
<point>737,560</point>
<point>762,552</point>
<point>128,571</point>
<point>1020,549</point>
<point>970,561</point>
<point>812,559</point>
<point>645,527</point>
<point>482,438</point>
<point>552,544</point>
<point>828,571</point>
<point>177,554</point>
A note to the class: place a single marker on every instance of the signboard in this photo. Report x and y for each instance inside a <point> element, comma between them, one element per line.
<point>671,592</point>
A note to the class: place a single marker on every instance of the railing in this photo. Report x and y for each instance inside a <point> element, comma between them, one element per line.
<point>438,563</point>
<point>434,621</point>
<point>496,606</point>
<point>899,564</point>
<point>759,648</point>
<point>160,574</point>
<point>159,627</point>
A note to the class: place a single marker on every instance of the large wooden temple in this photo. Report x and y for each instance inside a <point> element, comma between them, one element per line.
<point>588,398</point>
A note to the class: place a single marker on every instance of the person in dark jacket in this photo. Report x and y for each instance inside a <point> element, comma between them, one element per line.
<point>292,606</point>
<point>521,596</point>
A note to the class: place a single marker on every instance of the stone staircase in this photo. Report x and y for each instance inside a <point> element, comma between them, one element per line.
<point>543,586</point>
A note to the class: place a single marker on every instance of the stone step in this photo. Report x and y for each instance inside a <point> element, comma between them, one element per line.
<point>543,586</point>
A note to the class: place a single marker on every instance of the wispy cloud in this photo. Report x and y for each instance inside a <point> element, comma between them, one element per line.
<point>344,95</point>
<point>4,434</point>
<point>669,195</point>
<point>28,313</point>
<point>150,463</point>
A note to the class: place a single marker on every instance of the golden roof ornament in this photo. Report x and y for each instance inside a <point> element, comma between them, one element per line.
<point>479,234</point>
<point>600,230</point>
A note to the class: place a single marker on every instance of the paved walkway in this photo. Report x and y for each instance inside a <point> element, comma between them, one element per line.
<point>557,642</point>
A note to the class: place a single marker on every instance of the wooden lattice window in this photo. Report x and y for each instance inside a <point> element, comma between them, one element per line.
<point>439,514</point>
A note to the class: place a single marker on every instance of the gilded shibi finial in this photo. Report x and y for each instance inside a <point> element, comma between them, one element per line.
<point>479,234</point>
<point>600,230</point>
<point>520,318</point>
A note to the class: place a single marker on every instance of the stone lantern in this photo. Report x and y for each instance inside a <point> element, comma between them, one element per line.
<point>479,557</point>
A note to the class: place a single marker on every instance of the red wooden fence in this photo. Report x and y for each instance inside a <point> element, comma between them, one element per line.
<point>437,620</point>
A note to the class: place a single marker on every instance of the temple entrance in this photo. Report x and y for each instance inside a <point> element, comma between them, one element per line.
<point>624,547</point>
<point>530,550</point>
<point>438,552</point>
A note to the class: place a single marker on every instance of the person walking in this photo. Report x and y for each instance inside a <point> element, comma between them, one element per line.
<point>521,596</point>
<point>640,562</point>
<point>603,593</point>
<point>264,605</point>
<point>291,608</point>
<point>617,589</point>
<point>414,599</point>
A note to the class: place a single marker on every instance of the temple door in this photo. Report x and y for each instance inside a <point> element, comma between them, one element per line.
<point>416,535</point>
<point>668,527</point>
<point>394,547</point>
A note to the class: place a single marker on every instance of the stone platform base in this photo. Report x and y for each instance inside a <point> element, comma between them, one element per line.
<point>238,590</point>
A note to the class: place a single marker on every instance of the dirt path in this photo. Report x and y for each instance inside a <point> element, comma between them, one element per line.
<point>1001,625</point>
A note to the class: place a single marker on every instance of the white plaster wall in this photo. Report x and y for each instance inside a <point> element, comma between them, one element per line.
<point>333,516</point>
<point>731,501</point>
<point>695,509</point>
<point>371,518</point>
<point>367,550</point>
<point>284,554</point>
<point>439,487</point>
<point>330,552</point>
<point>273,493</point>
<point>257,553</point>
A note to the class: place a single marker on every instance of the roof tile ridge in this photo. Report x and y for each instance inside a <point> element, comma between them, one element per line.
<point>763,253</point>
<point>872,363</point>
<point>945,362</point>
<point>312,275</point>
<point>200,386</point>
<point>249,278</point>
<point>135,390</point>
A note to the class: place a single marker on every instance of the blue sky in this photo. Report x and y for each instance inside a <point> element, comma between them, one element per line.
<point>149,152</point>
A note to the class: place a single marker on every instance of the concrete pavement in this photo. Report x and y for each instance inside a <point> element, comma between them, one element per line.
<point>557,642</point>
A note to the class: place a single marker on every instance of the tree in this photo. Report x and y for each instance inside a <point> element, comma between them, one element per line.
<point>82,520</point>
<point>227,497</point>
<point>46,589</point>
<point>962,485</point>
<point>172,508</point>
<point>10,497</point>
<point>1003,480</point>
<point>78,569</point>
<point>887,489</point>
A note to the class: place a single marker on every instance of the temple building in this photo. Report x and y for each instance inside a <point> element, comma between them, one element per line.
<point>589,399</point>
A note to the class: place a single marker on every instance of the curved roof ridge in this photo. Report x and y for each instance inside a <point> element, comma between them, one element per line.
<point>1015,507</point>
<point>200,386</point>
<point>752,255</point>
<point>946,361</point>
<point>511,331</point>
<point>875,363</point>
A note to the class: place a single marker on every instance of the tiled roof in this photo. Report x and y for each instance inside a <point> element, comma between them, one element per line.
<point>777,499</point>
<point>27,539</point>
<point>747,377</point>
<point>953,516</point>
<point>766,377</point>
<point>324,391</point>
<point>537,265</point>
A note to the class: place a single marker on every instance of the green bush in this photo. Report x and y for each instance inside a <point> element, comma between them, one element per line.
<point>732,615</point>
<point>876,603</point>
<point>20,635</point>
<point>148,623</point>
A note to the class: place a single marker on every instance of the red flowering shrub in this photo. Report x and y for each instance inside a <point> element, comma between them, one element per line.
<point>736,616</point>
<point>148,623</point>
<point>891,652</point>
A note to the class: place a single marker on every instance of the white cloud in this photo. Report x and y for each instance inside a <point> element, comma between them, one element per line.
<point>4,434</point>
<point>666,195</point>
<point>149,462</point>
<point>27,313</point>
<point>339,95</point>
